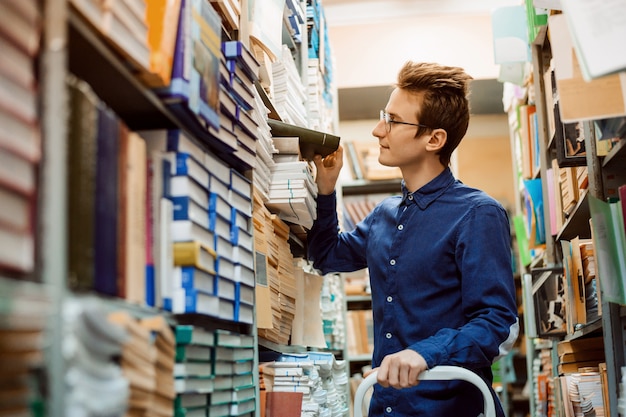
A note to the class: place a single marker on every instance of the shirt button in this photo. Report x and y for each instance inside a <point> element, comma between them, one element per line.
<point>400,227</point>
<point>410,196</point>
<point>389,298</point>
<point>388,409</point>
<point>388,335</point>
<point>392,262</point>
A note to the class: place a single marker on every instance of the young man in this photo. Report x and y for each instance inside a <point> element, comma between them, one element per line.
<point>439,255</point>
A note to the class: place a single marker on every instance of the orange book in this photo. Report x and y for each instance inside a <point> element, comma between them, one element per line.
<point>162,20</point>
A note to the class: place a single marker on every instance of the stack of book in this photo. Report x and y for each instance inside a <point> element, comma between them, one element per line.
<point>24,310</point>
<point>240,72</point>
<point>583,394</point>
<point>20,137</point>
<point>214,372</point>
<point>275,287</point>
<point>575,355</point>
<point>318,376</point>
<point>293,192</point>
<point>92,347</point>
<point>193,371</point>
<point>162,337</point>
<point>234,365</point>
<point>138,362</point>
<point>124,25</point>
<point>287,91</point>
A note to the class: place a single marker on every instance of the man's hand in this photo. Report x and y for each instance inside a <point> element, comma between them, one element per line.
<point>400,370</point>
<point>328,171</point>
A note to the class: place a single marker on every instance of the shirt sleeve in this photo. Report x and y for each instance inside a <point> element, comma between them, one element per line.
<point>483,255</point>
<point>330,250</point>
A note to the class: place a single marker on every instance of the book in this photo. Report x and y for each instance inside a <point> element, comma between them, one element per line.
<point>162,20</point>
<point>610,244</point>
<point>192,277</point>
<point>195,254</point>
<point>183,186</point>
<point>106,200</point>
<point>193,335</point>
<point>192,300</point>
<point>187,230</point>
<point>131,217</point>
<point>238,53</point>
<point>311,142</point>
<point>185,164</point>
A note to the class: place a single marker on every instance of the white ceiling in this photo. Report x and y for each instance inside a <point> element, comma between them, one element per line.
<point>346,12</point>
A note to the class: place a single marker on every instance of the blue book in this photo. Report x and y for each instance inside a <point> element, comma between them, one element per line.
<point>192,277</point>
<point>105,238</point>
<point>237,52</point>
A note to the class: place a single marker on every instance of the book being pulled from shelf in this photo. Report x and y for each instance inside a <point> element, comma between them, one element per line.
<point>311,141</point>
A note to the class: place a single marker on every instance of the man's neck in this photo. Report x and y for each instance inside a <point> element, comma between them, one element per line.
<point>414,180</point>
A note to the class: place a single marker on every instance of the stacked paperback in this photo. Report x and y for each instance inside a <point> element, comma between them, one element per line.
<point>214,372</point>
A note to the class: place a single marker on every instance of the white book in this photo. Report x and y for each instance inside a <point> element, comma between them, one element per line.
<point>186,230</point>
<point>185,186</point>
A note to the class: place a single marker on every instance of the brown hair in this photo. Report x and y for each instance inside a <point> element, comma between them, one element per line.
<point>445,104</point>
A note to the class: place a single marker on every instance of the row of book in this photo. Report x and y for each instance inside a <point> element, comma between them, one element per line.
<point>20,136</point>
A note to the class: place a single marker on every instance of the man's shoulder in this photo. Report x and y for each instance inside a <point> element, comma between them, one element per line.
<point>475,197</point>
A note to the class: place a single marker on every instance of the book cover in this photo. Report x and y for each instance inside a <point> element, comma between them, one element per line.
<point>610,246</point>
<point>311,142</point>
<point>195,254</point>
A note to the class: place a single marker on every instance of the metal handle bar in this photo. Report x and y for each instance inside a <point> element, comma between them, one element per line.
<point>438,373</point>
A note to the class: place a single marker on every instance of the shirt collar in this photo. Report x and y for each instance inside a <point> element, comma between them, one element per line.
<point>424,196</point>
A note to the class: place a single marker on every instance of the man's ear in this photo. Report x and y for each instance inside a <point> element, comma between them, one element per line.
<point>437,140</point>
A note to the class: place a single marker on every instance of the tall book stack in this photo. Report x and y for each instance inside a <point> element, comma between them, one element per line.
<point>275,288</point>
<point>287,91</point>
<point>24,311</point>
<point>211,230</point>
<point>20,138</point>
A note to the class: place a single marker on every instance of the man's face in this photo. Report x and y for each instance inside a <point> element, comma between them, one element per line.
<point>398,145</point>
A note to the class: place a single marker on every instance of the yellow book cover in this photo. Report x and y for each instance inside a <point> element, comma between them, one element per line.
<point>195,254</point>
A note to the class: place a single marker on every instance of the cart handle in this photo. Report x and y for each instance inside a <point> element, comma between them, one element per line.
<point>438,373</point>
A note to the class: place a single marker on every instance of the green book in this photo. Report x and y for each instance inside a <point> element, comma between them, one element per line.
<point>607,226</point>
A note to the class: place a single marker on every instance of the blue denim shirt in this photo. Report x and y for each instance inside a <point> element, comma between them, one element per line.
<point>440,270</point>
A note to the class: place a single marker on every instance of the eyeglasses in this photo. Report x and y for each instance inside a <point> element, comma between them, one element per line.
<point>387,119</point>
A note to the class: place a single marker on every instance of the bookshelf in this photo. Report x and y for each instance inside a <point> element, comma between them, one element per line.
<point>71,45</point>
<point>596,175</point>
